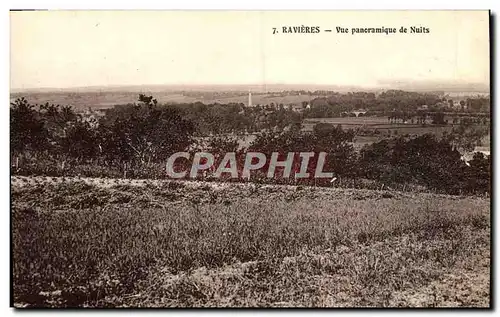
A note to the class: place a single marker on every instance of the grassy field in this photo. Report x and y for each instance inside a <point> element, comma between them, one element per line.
<point>386,129</point>
<point>379,123</point>
<point>143,243</point>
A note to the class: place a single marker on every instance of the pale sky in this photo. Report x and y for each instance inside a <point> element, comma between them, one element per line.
<point>61,49</point>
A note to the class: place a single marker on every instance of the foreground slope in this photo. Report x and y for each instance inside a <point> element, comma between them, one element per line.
<point>96,242</point>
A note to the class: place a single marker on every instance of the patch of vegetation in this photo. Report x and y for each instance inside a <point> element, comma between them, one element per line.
<point>128,245</point>
<point>135,141</point>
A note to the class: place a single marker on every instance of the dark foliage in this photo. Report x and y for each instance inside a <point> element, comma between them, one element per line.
<point>135,141</point>
<point>425,161</point>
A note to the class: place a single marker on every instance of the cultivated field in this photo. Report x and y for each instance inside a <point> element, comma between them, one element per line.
<point>108,242</point>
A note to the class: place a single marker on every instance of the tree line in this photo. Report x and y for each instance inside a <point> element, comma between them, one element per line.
<point>395,103</point>
<point>135,141</point>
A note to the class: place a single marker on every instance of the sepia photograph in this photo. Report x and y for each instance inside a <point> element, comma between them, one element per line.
<point>250,159</point>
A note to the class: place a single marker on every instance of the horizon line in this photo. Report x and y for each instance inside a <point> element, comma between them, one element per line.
<point>399,85</point>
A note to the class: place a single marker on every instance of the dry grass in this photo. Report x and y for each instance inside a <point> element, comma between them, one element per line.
<point>192,244</point>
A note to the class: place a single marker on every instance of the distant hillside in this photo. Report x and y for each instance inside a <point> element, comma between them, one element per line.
<point>105,97</point>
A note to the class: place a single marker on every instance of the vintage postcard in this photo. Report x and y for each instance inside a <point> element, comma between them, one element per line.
<point>250,159</point>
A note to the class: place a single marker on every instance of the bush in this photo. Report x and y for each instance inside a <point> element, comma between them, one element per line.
<point>423,160</point>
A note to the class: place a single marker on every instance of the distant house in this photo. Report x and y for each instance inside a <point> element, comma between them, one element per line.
<point>458,106</point>
<point>423,107</point>
<point>296,108</point>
